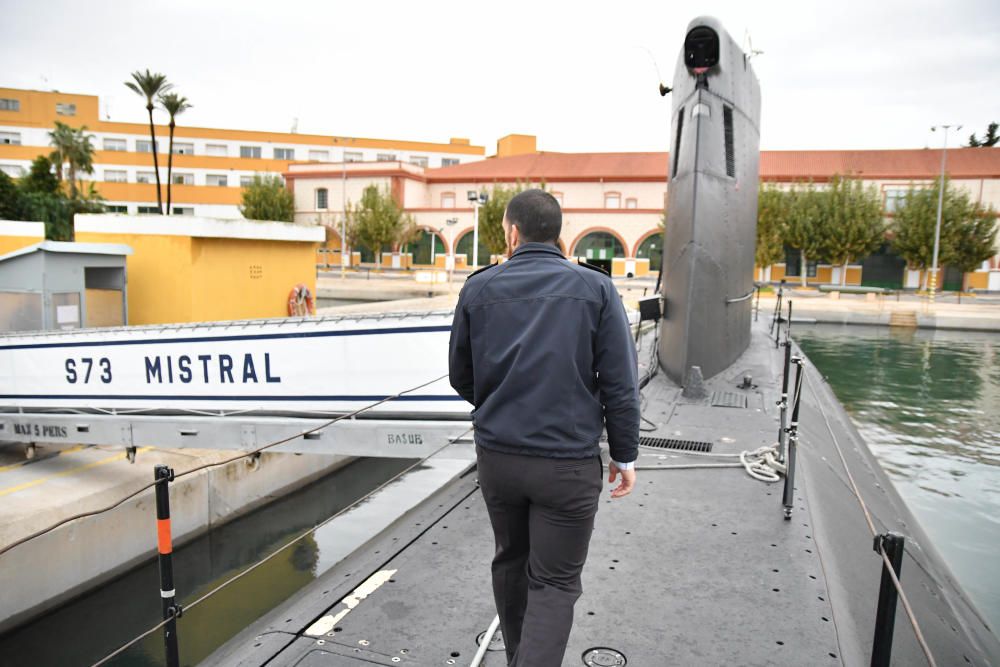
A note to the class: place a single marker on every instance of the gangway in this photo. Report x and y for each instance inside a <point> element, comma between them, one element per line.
<point>237,385</point>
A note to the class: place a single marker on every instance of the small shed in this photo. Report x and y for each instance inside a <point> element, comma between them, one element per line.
<point>191,269</point>
<point>60,285</point>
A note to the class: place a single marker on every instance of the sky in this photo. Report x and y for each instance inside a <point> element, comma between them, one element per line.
<point>581,76</point>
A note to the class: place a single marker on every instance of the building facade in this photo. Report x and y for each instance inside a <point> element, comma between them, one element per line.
<point>613,203</point>
<point>210,166</point>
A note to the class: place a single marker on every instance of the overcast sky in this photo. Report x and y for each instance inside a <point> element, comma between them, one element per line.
<point>580,76</point>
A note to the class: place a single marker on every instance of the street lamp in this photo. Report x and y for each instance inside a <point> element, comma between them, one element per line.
<point>937,226</point>
<point>477,199</point>
<point>450,259</point>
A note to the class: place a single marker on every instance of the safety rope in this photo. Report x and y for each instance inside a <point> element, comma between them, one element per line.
<point>871,526</point>
<point>310,531</point>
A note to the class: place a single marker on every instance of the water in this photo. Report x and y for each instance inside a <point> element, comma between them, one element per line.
<point>92,626</point>
<point>928,404</point>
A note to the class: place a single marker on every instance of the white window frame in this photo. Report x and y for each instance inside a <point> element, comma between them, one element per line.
<point>354,156</point>
<point>145,177</point>
<point>283,150</point>
<point>114,144</point>
<point>254,152</point>
<point>184,148</point>
<point>12,170</point>
<point>186,178</point>
<point>220,180</point>
<point>10,138</point>
<point>246,181</point>
<point>614,197</point>
<point>139,143</point>
<point>631,202</point>
<point>419,160</point>
<point>386,157</point>
<point>217,150</point>
<point>10,104</point>
<point>449,161</point>
<point>65,109</point>
<point>447,200</point>
<point>319,156</point>
<point>325,193</point>
<point>183,210</point>
<point>115,176</point>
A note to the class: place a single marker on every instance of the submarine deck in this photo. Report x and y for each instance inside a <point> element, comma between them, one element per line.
<point>697,566</point>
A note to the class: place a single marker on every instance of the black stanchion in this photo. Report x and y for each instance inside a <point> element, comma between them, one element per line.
<point>788,495</point>
<point>885,614</point>
<point>756,309</point>
<point>788,326</point>
<point>783,403</point>
<point>776,315</point>
<point>171,610</point>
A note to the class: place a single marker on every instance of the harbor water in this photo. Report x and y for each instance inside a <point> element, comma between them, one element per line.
<point>928,404</point>
<point>95,624</point>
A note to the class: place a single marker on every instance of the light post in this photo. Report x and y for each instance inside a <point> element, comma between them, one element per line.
<point>937,226</point>
<point>450,259</point>
<point>477,199</point>
<point>343,220</point>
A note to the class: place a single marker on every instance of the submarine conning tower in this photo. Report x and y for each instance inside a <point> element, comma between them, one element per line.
<point>711,223</point>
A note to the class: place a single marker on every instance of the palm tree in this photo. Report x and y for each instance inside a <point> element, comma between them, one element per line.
<point>174,105</point>
<point>72,145</point>
<point>150,85</point>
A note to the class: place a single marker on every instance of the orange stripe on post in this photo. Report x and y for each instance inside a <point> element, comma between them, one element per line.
<point>163,536</point>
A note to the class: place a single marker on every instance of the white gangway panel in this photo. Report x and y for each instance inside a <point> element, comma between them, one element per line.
<point>234,384</point>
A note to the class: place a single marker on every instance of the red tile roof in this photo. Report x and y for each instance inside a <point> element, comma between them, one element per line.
<point>774,165</point>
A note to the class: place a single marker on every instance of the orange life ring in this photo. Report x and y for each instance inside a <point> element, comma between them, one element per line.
<point>300,301</point>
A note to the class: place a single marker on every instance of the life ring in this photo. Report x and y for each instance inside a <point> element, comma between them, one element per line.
<point>300,301</point>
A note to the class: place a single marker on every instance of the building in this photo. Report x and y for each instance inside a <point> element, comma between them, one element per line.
<point>613,202</point>
<point>210,165</point>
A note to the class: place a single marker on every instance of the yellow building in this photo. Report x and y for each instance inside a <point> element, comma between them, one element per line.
<point>15,235</point>
<point>210,165</point>
<point>197,269</point>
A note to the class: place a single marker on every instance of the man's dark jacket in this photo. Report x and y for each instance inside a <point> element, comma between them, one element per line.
<point>541,347</point>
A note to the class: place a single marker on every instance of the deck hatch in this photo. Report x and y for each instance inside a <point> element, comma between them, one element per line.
<point>728,399</point>
<point>673,443</point>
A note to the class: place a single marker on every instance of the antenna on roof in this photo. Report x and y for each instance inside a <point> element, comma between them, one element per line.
<point>748,50</point>
<point>664,89</point>
<point>295,125</point>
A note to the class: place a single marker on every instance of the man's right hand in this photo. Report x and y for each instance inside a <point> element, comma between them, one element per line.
<point>627,482</point>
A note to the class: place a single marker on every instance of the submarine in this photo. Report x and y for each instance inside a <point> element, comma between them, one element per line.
<point>817,562</point>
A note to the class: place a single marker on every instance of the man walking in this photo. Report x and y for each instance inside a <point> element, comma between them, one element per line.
<point>541,347</point>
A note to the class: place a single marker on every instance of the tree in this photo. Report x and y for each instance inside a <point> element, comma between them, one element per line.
<point>10,198</point>
<point>491,215</point>
<point>174,105</point>
<point>772,213</point>
<point>967,229</point>
<point>850,222</point>
<point>151,85</point>
<point>801,224</point>
<point>989,139</point>
<point>377,221</point>
<point>267,198</point>
<point>973,237</point>
<point>72,147</point>
<point>40,177</point>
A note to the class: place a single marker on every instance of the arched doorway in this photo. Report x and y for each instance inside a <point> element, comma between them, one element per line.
<point>464,247</point>
<point>652,249</point>
<point>426,247</point>
<point>599,248</point>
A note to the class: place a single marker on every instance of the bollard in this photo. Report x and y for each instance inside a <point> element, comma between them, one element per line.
<point>171,611</point>
<point>885,614</point>
<point>788,494</point>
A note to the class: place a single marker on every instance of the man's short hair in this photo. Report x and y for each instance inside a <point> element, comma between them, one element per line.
<point>537,216</point>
